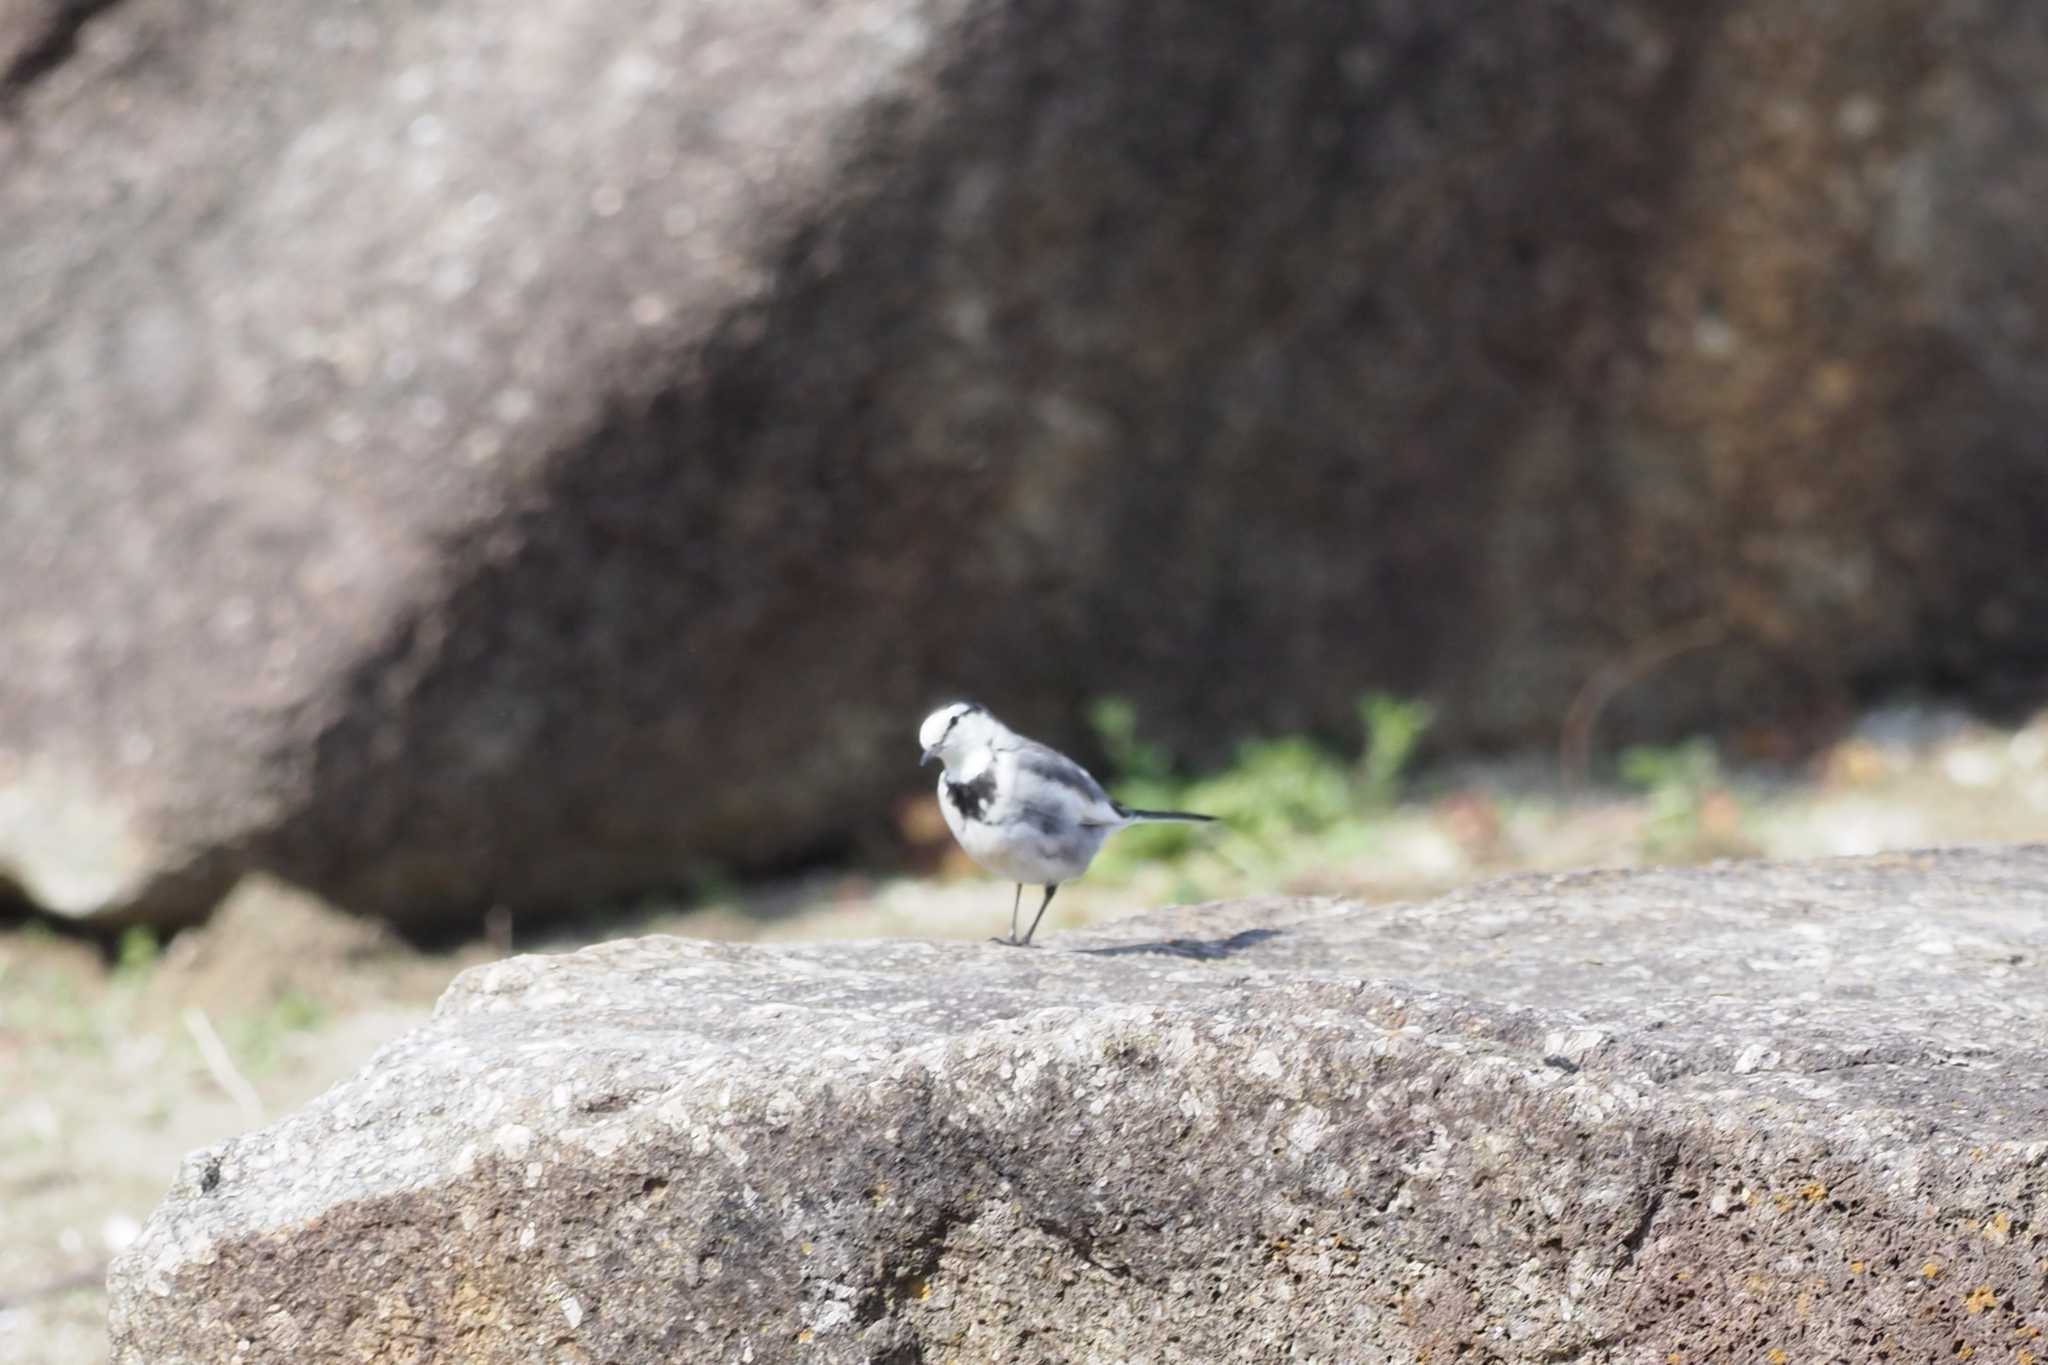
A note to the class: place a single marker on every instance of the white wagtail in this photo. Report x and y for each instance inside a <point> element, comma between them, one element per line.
<point>1020,809</point>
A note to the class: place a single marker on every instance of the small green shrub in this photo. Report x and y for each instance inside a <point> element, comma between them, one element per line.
<point>1273,790</point>
<point>1115,721</point>
<point>260,1036</point>
<point>137,951</point>
<point>1393,732</point>
<point>1679,768</point>
<point>1679,781</point>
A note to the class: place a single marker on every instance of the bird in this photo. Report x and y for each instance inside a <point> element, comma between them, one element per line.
<point>1021,809</point>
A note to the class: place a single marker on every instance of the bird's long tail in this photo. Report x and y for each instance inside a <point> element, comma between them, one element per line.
<point>1187,815</point>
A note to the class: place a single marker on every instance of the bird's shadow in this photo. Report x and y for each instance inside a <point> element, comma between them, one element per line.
<point>1203,949</point>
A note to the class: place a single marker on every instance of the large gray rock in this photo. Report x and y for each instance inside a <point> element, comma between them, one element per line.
<point>302,307</point>
<point>499,452</point>
<point>1699,1115</point>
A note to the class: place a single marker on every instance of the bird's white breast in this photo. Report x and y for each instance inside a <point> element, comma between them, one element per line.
<point>1004,836</point>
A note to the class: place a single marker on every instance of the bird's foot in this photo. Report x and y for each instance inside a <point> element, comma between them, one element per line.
<point>1011,942</point>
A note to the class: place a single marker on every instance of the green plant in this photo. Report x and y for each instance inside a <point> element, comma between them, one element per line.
<point>1675,772</point>
<point>1679,781</point>
<point>260,1035</point>
<point>137,952</point>
<point>1115,722</point>
<point>1393,731</point>
<point>1278,787</point>
<point>1274,789</point>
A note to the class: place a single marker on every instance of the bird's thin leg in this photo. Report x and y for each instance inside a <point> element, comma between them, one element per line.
<point>1014,902</point>
<point>1041,914</point>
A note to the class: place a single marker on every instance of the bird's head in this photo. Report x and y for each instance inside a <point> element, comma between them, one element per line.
<point>951,732</point>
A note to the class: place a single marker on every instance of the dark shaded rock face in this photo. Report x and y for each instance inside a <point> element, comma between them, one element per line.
<point>490,454</point>
<point>1710,1114</point>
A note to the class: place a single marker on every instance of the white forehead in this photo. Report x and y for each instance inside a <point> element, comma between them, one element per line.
<point>938,722</point>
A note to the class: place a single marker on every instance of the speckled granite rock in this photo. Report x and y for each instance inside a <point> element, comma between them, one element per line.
<point>1697,1115</point>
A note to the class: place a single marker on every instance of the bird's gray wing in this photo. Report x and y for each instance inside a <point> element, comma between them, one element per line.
<point>1053,786</point>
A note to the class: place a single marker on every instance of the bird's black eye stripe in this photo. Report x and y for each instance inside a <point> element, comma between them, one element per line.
<point>970,709</point>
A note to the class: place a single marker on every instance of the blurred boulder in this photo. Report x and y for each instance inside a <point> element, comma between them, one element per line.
<point>36,35</point>
<point>500,454</point>
<point>1704,1114</point>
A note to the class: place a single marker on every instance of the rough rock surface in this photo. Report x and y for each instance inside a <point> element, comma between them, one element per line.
<point>1712,1114</point>
<point>496,452</point>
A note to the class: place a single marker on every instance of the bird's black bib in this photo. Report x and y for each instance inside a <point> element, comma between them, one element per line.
<point>971,798</point>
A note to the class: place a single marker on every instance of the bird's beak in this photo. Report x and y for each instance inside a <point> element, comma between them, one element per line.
<point>929,755</point>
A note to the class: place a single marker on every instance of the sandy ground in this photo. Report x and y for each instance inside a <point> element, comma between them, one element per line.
<point>110,1071</point>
